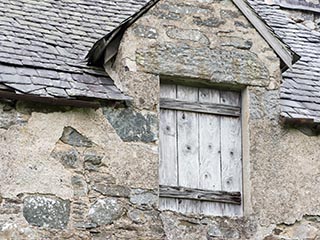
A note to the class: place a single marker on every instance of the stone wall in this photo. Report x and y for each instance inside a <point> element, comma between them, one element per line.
<point>75,174</point>
<point>70,173</point>
<point>211,43</point>
<point>67,173</point>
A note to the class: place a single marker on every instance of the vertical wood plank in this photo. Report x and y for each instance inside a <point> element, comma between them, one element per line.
<point>230,98</point>
<point>231,154</point>
<point>188,148</point>
<point>168,168</point>
<point>209,145</point>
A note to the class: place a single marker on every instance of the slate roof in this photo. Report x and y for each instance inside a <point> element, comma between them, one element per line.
<point>300,90</point>
<point>43,45</point>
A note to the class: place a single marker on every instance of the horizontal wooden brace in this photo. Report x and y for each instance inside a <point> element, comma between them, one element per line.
<point>200,194</point>
<point>212,108</point>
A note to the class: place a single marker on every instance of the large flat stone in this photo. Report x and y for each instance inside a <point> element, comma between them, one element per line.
<point>216,65</point>
<point>131,125</point>
<point>43,211</point>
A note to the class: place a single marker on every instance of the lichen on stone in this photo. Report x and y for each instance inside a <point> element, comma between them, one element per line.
<point>105,211</point>
<point>131,125</point>
<point>46,211</point>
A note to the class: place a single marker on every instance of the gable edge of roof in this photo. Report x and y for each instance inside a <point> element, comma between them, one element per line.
<point>288,56</point>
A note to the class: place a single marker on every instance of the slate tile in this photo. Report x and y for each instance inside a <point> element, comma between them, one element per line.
<point>4,55</point>
<point>85,78</point>
<point>41,81</point>
<point>76,92</point>
<point>25,88</point>
<point>57,92</point>
<point>40,92</point>
<point>7,69</point>
<point>79,86</point>
<point>295,115</point>
<point>312,106</point>
<point>290,103</point>
<point>65,76</point>
<point>26,71</point>
<point>14,61</point>
<point>8,78</point>
<point>48,73</point>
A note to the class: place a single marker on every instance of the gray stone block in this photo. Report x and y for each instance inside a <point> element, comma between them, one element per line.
<point>93,157</point>
<point>187,34</point>
<point>69,158</point>
<point>112,190</point>
<point>72,137</point>
<point>145,31</point>
<point>208,22</point>
<point>47,212</point>
<point>105,211</point>
<point>131,125</point>
<point>80,188</point>
<point>137,216</point>
<point>143,198</point>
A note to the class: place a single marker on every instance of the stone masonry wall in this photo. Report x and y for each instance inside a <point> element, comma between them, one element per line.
<point>70,173</point>
<point>67,174</point>
<point>210,42</point>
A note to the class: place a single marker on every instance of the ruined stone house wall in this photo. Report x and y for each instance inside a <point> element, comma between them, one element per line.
<point>70,173</point>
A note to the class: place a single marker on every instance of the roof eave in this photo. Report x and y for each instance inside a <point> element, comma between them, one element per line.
<point>308,126</point>
<point>86,102</point>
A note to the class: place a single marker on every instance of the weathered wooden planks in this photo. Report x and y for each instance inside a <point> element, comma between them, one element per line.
<point>231,154</point>
<point>168,171</point>
<point>200,107</point>
<point>200,194</point>
<point>188,148</point>
<point>202,151</point>
<point>209,158</point>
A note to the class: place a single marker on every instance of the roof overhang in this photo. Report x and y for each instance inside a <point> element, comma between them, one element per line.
<point>4,94</point>
<point>308,126</point>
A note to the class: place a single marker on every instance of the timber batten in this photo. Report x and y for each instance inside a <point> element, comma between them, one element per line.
<point>219,109</point>
<point>200,194</point>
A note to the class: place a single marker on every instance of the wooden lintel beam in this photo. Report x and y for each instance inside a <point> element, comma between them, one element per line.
<point>200,194</point>
<point>211,108</point>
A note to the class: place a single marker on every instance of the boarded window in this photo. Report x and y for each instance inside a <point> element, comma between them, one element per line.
<point>200,150</point>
